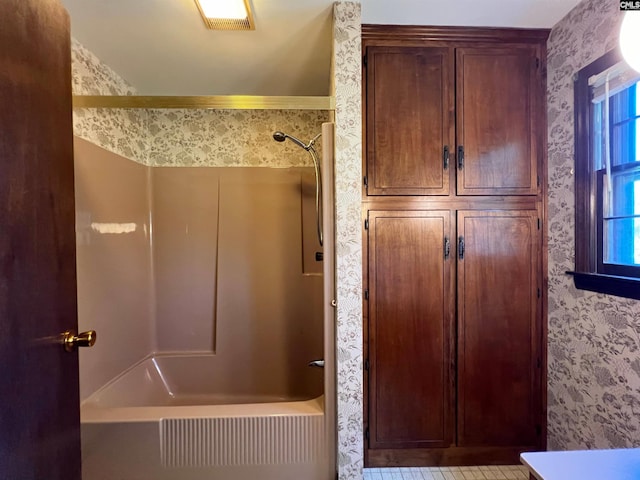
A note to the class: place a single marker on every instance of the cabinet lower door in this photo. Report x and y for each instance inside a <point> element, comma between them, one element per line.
<point>499,397</point>
<point>410,334</point>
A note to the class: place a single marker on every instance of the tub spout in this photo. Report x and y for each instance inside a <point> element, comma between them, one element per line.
<point>316,363</point>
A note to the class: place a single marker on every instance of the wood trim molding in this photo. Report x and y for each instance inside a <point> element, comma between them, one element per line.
<point>454,34</point>
<point>585,234</point>
<point>228,102</point>
<point>608,284</point>
<point>445,457</point>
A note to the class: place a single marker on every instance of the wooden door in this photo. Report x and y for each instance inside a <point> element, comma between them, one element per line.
<point>498,328</point>
<point>39,399</point>
<point>410,335</point>
<point>409,120</point>
<point>496,95</point>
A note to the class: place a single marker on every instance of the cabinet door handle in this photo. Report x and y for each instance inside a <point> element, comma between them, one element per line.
<point>447,247</point>
<point>445,157</point>
<point>461,247</point>
<point>460,157</point>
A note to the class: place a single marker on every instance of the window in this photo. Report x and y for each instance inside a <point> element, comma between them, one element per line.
<point>607,119</point>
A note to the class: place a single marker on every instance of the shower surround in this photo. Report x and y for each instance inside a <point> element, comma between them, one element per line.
<point>223,259</point>
<point>186,167</point>
<point>196,253</point>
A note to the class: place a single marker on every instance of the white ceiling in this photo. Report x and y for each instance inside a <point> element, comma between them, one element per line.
<point>162,47</point>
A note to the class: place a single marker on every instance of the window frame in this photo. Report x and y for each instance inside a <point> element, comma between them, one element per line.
<point>588,274</point>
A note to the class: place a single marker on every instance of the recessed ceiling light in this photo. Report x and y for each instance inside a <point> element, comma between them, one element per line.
<point>226,14</point>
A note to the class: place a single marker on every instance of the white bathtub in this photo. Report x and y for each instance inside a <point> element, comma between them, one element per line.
<point>164,419</point>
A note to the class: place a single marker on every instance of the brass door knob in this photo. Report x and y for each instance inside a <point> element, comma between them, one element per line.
<point>85,339</point>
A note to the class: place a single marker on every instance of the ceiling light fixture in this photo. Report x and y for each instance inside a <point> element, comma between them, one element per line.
<point>630,39</point>
<point>226,14</point>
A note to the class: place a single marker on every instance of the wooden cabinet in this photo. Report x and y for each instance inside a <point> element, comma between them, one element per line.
<point>410,137</point>
<point>498,331</point>
<point>496,128</point>
<point>409,129</point>
<point>454,368</point>
<point>411,322</point>
<point>454,208</point>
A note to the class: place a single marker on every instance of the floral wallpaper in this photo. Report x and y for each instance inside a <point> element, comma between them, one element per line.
<point>231,138</point>
<point>187,137</point>
<point>594,340</point>
<point>120,131</point>
<point>346,63</point>
<point>93,77</point>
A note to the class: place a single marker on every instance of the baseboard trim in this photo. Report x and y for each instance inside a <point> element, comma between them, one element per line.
<point>445,457</point>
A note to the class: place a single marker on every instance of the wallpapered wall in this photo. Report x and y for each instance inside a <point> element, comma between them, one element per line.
<point>231,138</point>
<point>119,131</point>
<point>594,340</point>
<point>346,85</point>
<point>186,137</point>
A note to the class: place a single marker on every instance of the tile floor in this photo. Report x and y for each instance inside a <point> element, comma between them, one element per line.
<point>490,472</point>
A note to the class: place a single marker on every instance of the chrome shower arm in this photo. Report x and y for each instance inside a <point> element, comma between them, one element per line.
<point>281,137</point>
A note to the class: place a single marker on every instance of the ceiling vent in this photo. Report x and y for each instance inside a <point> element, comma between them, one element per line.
<point>226,14</point>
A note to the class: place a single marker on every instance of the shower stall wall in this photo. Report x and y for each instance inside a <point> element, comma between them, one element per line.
<point>231,309</point>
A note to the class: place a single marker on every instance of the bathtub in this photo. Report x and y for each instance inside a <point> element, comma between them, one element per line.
<point>176,418</point>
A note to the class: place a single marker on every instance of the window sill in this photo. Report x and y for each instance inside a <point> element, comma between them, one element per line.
<point>626,287</point>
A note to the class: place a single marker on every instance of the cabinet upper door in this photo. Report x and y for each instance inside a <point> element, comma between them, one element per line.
<point>499,391</point>
<point>410,126</point>
<point>410,329</point>
<point>496,108</point>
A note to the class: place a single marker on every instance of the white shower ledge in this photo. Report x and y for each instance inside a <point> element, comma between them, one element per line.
<point>617,464</point>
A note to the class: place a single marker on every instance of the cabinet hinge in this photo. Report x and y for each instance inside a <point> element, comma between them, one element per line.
<point>366,224</point>
<point>366,365</point>
<point>365,180</point>
<point>364,60</point>
<point>447,247</point>
<point>539,224</point>
<point>366,433</point>
<point>366,294</point>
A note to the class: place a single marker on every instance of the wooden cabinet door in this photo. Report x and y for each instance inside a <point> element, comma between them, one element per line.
<point>496,109</point>
<point>410,335</point>
<point>498,328</point>
<point>409,120</point>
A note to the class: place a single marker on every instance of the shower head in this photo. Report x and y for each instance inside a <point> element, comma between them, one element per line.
<point>281,137</point>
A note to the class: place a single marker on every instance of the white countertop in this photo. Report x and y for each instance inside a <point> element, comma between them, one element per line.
<point>620,464</point>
